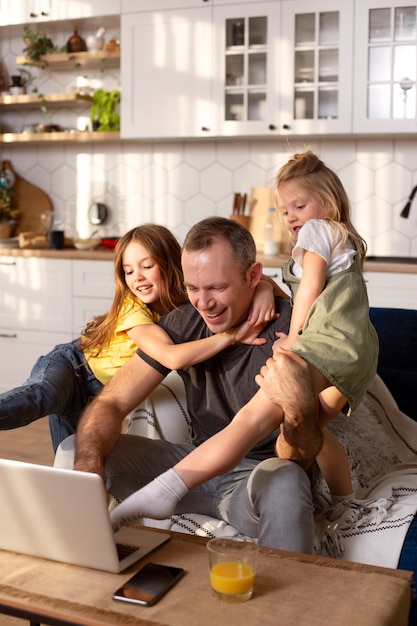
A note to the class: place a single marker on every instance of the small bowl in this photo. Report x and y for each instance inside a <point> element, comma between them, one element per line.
<point>86,244</point>
<point>110,242</point>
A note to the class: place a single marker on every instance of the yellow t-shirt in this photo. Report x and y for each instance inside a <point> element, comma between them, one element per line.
<point>121,348</point>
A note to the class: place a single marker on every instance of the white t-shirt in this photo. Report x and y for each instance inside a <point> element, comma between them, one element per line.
<point>319,237</point>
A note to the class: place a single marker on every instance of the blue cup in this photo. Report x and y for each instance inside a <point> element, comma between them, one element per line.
<point>56,239</point>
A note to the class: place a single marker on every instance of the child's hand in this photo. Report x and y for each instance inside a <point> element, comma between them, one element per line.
<point>282,343</point>
<point>248,333</point>
<point>262,310</point>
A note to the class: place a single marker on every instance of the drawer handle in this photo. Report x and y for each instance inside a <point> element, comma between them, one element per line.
<point>8,336</point>
<point>9,263</point>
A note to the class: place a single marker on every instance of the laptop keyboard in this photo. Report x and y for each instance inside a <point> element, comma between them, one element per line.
<point>124,550</point>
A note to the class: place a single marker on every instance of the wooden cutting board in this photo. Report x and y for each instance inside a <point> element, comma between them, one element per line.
<point>30,202</point>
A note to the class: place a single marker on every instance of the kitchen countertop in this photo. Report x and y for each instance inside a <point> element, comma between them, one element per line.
<point>103,254</point>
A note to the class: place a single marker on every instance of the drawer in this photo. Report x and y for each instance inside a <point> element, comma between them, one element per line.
<point>92,279</point>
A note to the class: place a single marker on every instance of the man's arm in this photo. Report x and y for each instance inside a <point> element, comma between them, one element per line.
<point>100,424</point>
<point>286,380</point>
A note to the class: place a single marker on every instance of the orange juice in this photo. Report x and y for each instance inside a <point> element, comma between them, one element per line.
<point>232,577</point>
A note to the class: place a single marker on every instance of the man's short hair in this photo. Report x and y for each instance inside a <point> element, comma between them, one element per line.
<point>203,234</point>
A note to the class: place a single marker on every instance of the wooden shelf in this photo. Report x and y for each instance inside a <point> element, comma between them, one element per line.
<point>36,99</point>
<point>72,60</point>
<point>61,136</point>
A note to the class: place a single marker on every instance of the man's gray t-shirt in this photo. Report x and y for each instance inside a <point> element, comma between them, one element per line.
<point>217,388</point>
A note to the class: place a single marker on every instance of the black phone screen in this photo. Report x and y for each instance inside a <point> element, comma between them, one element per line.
<point>149,584</point>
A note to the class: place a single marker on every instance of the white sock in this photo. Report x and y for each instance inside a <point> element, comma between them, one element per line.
<point>337,499</point>
<point>157,499</point>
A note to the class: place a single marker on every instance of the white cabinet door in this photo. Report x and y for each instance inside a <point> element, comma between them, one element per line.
<point>246,51</point>
<point>398,291</point>
<point>133,6</point>
<point>71,9</point>
<point>385,67</point>
<point>35,294</point>
<point>316,66</point>
<point>276,274</point>
<point>20,349</point>
<point>166,73</point>
<point>34,11</point>
<point>92,291</point>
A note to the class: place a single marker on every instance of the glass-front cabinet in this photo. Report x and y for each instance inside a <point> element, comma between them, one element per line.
<point>316,66</point>
<point>386,62</point>
<point>246,65</point>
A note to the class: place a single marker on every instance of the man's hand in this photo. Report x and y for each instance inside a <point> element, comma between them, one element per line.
<point>286,380</point>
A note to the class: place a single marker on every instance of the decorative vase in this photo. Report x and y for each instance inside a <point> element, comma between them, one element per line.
<point>76,43</point>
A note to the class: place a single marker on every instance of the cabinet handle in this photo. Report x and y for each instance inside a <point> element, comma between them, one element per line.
<point>272,127</point>
<point>286,126</point>
<point>32,14</point>
<point>8,336</point>
<point>44,14</point>
<point>9,263</point>
<point>205,128</point>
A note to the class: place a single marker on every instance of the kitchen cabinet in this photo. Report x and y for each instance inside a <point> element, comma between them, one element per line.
<point>34,313</point>
<point>385,67</point>
<point>166,73</point>
<point>34,11</point>
<point>245,86</point>
<point>44,302</point>
<point>316,67</point>
<point>92,291</point>
<point>393,290</point>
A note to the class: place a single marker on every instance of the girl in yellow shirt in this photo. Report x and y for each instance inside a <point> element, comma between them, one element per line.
<point>148,284</point>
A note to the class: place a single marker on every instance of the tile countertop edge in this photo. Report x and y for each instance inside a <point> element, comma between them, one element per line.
<point>103,254</point>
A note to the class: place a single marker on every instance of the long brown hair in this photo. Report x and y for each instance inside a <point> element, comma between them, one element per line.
<point>312,174</point>
<point>165,252</point>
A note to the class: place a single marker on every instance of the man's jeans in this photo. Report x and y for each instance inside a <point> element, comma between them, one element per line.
<point>270,499</point>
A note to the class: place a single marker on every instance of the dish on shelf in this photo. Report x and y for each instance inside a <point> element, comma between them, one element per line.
<point>87,244</point>
<point>110,242</point>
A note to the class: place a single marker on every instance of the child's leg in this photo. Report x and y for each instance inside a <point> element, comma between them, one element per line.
<point>215,456</point>
<point>223,451</point>
<point>332,458</point>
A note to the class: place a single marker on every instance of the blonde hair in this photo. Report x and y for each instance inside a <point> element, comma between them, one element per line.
<point>314,176</point>
<point>165,252</point>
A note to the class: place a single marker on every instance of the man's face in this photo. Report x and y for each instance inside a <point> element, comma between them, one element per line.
<point>215,285</point>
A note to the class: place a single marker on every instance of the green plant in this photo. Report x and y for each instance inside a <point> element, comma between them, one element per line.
<point>8,211</point>
<point>104,110</point>
<point>37,45</point>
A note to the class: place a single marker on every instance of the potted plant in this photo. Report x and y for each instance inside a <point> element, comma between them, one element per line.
<point>105,110</point>
<point>37,45</point>
<point>8,211</point>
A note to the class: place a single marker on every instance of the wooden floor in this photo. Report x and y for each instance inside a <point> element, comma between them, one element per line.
<point>32,444</point>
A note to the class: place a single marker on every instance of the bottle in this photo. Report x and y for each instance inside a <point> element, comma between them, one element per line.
<point>271,246</point>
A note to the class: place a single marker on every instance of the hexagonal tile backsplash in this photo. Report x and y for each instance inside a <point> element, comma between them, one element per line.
<point>180,183</point>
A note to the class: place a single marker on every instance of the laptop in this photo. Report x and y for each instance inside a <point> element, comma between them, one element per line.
<point>62,515</point>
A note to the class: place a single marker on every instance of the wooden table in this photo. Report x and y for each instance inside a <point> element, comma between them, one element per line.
<point>290,589</point>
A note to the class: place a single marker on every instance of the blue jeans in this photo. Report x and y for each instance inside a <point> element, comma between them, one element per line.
<point>268,499</point>
<point>60,385</point>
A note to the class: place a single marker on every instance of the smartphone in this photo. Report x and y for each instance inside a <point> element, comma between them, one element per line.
<point>149,584</point>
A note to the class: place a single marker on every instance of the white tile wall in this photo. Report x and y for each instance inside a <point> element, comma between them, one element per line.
<point>178,183</point>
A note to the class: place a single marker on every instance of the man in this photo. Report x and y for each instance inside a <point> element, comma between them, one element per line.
<point>262,496</point>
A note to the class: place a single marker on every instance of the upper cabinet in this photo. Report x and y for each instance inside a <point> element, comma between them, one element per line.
<point>166,73</point>
<point>246,49</point>
<point>385,67</point>
<point>316,66</point>
<point>32,11</point>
